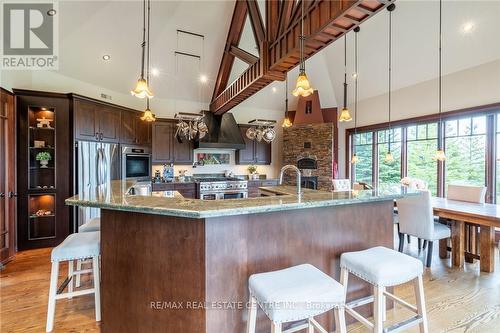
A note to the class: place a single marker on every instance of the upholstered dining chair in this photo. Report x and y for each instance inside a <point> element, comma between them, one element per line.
<point>341,185</point>
<point>416,219</point>
<point>469,193</point>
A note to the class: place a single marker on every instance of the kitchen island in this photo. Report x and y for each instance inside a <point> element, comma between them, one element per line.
<point>182,265</point>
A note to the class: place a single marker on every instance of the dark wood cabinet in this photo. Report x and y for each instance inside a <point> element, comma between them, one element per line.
<point>95,121</point>
<point>255,152</point>
<point>163,136</point>
<point>43,218</point>
<point>187,190</point>
<point>253,186</point>
<point>134,130</point>
<point>166,148</point>
<point>8,195</point>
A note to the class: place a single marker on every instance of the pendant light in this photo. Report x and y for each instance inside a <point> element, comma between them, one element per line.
<point>345,115</point>
<point>355,158</point>
<point>286,122</point>
<point>389,158</point>
<point>440,154</point>
<point>142,89</point>
<point>148,115</point>
<point>303,87</point>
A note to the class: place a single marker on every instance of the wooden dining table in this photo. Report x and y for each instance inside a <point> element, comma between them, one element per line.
<point>486,216</point>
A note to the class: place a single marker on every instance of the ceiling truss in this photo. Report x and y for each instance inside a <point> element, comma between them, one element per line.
<point>278,42</point>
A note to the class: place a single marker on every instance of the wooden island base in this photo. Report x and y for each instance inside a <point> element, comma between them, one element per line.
<point>159,271</point>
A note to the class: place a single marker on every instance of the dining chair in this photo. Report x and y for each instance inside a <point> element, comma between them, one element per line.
<point>416,219</point>
<point>469,193</point>
<point>341,185</point>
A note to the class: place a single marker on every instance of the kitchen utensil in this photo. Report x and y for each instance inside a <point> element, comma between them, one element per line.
<point>251,132</point>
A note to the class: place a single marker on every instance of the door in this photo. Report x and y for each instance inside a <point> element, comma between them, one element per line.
<point>163,136</point>
<point>128,131</point>
<point>262,152</point>
<point>7,177</point>
<point>247,155</point>
<point>86,126</point>
<point>183,152</point>
<point>142,131</point>
<point>109,120</point>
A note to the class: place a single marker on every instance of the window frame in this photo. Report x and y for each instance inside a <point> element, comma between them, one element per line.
<point>492,113</point>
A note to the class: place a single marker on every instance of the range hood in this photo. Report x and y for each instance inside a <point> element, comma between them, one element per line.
<point>223,132</point>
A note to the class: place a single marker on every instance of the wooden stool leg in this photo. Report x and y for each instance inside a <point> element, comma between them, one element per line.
<point>419,295</point>
<point>378,309</point>
<point>344,277</point>
<point>78,276</point>
<point>340,325</point>
<point>276,328</point>
<point>70,276</point>
<point>52,296</point>
<point>384,304</point>
<point>97,287</point>
<point>252,315</point>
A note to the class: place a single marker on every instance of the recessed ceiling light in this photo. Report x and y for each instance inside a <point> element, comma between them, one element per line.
<point>468,27</point>
<point>155,71</point>
<point>106,57</point>
<point>274,89</point>
<point>51,12</point>
<point>203,78</point>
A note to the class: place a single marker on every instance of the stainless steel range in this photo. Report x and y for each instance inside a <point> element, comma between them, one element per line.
<point>222,188</point>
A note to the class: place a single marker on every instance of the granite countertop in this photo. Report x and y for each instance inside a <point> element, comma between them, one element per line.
<point>114,196</point>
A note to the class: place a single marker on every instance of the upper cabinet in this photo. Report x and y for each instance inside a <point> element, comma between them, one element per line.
<point>134,130</point>
<point>166,148</point>
<point>96,122</point>
<point>255,152</point>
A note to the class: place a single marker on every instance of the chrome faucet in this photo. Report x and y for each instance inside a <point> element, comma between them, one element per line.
<point>297,171</point>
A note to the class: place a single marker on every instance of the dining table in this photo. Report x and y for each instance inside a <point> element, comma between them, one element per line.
<point>460,213</point>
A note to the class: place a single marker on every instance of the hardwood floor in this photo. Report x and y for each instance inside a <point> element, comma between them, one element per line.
<point>457,300</point>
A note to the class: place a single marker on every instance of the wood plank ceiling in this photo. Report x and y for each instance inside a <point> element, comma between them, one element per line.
<point>278,41</point>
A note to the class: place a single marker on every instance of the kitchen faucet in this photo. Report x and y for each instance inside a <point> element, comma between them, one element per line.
<point>297,171</point>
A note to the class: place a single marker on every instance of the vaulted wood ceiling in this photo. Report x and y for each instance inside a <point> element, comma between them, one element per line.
<point>278,41</point>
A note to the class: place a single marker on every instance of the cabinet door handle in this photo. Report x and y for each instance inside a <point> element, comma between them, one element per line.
<point>97,136</point>
<point>12,194</point>
<point>2,194</point>
<point>100,136</point>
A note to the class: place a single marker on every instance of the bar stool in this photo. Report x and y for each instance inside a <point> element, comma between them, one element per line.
<point>383,267</point>
<point>296,295</point>
<point>75,246</point>
<point>93,224</point>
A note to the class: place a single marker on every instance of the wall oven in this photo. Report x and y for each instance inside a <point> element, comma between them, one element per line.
<point>136,163</point>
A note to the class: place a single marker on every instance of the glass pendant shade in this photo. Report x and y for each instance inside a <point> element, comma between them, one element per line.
<point>440,155</point>
<point>354,159</point>
<point>389,158</point>
<point>286,123</point>
<point>142,89</point>
<point>303,87</point>
<point>345,115</point>
<point>148,116</point>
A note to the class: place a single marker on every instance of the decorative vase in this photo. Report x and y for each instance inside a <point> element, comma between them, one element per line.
<point>44,163</point>
<point>254,176</point>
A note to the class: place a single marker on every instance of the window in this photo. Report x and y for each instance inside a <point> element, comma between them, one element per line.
<point>389,172</point>
<point>465,146</point>
<point>363,146</point>
<point>422,144</point>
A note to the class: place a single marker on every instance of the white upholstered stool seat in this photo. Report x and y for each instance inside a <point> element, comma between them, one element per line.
<point>294,294</point>
<point>77,246</point>
<point>382,266</point>
<point>93,225</point>
<point>74,247</point>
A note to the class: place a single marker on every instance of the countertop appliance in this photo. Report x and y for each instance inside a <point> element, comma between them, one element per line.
<point>222,188</point>
<point>136,163</point>
<point>97,163</point>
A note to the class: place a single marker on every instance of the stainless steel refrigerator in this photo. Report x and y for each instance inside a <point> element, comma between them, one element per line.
<point>97,164</point>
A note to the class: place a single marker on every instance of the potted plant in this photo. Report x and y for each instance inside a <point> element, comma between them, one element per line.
<point>252,170</point>
<point>44,158</point>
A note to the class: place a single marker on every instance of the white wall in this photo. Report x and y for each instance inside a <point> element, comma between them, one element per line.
<point>475,86</point>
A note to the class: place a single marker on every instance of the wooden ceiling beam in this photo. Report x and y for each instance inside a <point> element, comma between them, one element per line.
<point>256,21</point>
<point>285,17</point>
<point>272,19</point>
<point>233,38</point>
<point>243,55</point>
